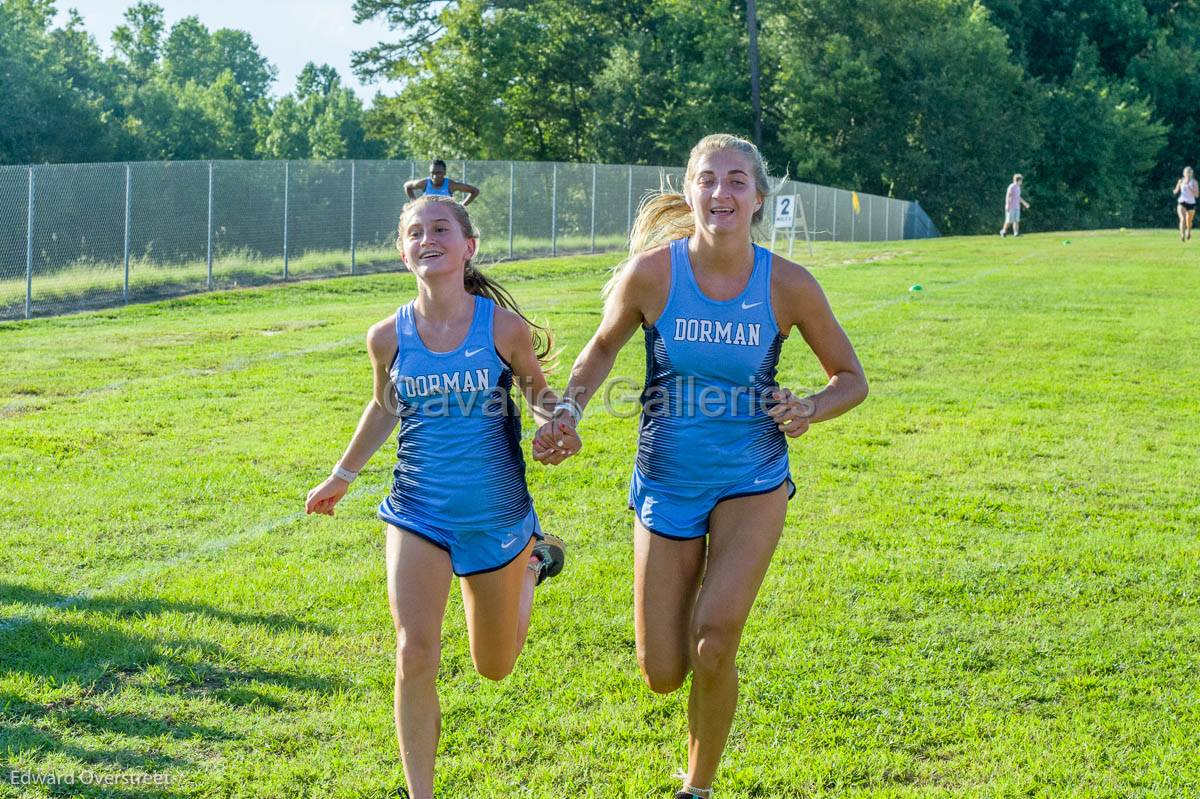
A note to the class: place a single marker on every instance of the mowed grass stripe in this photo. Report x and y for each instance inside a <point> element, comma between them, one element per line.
<point>986,587</point>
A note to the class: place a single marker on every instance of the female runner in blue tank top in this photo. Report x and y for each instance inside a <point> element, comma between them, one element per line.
<point>444,365</point>
<point>438,184</point>
<point>711,482</point>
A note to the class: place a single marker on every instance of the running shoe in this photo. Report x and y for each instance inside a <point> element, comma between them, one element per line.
<point>552,554</point>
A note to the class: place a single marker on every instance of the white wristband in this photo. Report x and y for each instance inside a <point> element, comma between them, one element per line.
<point>570,406</point>
<point>343,473</point>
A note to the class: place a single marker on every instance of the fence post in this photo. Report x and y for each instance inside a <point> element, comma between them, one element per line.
<point>554,210</point>
<point>629,204</point>
<point>835,194</point>
<point>464,172</point>
<point>512,177</point>
<point>286,175</point>
<point>887,219</point>
<point>29,249</point>
<point>128,183</point>
<point>210,230</point>
<point>813,224</point>
<point>854,219</point>
<point>593,248</point>
<point>353,180</point>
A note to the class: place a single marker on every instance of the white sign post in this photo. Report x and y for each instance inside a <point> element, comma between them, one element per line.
<point>807,234</point>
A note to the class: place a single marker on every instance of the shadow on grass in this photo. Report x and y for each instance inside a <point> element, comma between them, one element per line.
<point>83,653</point>
<point>42,728</point>
<point>148,606</point>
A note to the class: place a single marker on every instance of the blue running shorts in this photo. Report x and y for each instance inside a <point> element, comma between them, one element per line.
<point>680,511</point>
<point>471,551</point>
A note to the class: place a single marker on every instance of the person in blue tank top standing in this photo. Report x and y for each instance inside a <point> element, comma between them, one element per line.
<point>711,482</point>
<point>444,366</point>
<point>437,184</point>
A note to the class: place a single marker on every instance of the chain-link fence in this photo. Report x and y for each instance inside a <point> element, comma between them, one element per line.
<point>79,236</point>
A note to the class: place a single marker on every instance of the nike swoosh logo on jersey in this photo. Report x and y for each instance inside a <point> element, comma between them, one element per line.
<point>759,481</point>
<point>747,306</point>
<point>472,353</point>
<point>508,544</point>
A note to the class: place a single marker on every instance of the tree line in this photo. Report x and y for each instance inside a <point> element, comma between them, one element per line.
<point>1094,101</point>
<point>177,94</point>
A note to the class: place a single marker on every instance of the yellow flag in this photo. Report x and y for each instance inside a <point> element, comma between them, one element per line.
<point>854,201</point>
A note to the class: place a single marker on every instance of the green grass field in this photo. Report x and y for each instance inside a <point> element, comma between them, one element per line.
<point>988,585</point>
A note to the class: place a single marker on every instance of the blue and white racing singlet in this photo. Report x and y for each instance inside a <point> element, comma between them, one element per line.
<point>459,461</point>
<point>710,368</point>
<point>443,190</point>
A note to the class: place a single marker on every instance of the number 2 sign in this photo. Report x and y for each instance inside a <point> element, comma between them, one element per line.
<point>785,210</point>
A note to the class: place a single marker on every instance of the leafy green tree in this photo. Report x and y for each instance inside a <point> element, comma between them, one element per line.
<point>1114,61</point>
<point>236,51</point>
<point>1166,72</point>
<point>190,94</point>
<point>1047,35</point>
<point>138,43</point>
<point>887,96</point>
<point>938,100</point>
<point>1101,147</point>
<point>193,53</point>
<point>502,80</point>
<point>282,133</point>
<point>56,94</point>
<point>322,119</point>
<point>224,74</point>
<point>187,53</point>
<point>645,101</point>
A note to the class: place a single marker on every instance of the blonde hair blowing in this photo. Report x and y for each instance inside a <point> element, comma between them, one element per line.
<point>664,215</point>
<point>475,281</point>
